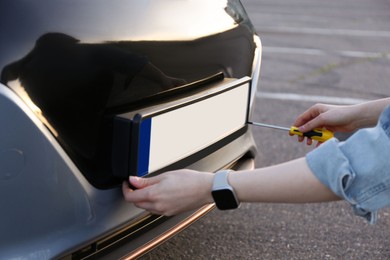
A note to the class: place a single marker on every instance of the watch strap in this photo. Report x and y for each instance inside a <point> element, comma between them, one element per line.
<point>221,179</point>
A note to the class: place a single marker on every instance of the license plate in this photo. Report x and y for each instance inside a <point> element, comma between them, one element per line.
<point>179,133</point>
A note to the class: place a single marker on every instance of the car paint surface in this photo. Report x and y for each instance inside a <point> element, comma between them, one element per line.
<point>67,68</point>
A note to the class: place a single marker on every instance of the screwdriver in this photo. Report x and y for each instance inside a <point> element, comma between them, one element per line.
<point>318,134</point>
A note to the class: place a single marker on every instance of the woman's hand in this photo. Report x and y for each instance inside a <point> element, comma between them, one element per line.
<point>340,118</point>
<point>170,193</point>
<point>332,117</point>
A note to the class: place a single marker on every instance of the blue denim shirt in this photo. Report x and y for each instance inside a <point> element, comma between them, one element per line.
<point>357,170</point>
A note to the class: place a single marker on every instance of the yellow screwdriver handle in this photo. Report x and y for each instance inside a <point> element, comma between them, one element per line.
<point>318,134</point>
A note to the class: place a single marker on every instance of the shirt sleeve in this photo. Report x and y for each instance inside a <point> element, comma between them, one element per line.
<point>357,170</point>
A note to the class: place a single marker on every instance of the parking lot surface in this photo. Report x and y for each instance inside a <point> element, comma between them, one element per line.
<point>313,51</point>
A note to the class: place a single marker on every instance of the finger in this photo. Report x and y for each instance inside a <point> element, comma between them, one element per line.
<point>308,116</point>
<point>140,183</point>
<point>128,193</point>
<point>136,196</point>
<point>125,187</point>
<point>316,122</point>
<point>309,141</point>
<point>300,138</point>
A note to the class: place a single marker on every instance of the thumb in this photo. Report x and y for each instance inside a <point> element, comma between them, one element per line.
<point>140,183</point>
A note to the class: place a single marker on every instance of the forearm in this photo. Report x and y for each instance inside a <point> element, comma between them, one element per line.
<point>290,182</point>
<point>369,112</point>
<point>182,190</point>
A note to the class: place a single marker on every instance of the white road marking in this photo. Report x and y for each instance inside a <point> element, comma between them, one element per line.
<point>324,31</point>
<point>310,98</point>
<point>317,52</point>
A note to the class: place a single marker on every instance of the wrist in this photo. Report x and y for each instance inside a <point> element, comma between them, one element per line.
<point>206,187</point>
<point>368,113</point>
<point>222,192</point>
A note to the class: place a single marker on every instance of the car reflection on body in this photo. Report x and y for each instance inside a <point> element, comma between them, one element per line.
<point>93,91</point>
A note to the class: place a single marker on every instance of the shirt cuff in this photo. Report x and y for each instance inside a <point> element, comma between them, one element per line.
<point>356,170</point>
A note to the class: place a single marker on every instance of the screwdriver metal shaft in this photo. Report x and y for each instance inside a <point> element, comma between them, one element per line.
<point>270,126</point>
<point>318,134</point>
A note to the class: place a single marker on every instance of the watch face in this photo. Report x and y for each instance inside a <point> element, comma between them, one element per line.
<point>225,199</point>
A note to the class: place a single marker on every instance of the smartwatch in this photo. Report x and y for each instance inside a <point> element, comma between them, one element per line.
<point>223,194</point>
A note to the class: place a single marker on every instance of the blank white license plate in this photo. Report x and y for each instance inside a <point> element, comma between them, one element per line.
<point>163,137</point>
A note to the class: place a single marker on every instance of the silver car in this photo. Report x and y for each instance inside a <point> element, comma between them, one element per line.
<point>94,91</point>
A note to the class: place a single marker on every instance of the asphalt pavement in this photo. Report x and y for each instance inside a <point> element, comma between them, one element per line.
<point>313,51</point>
